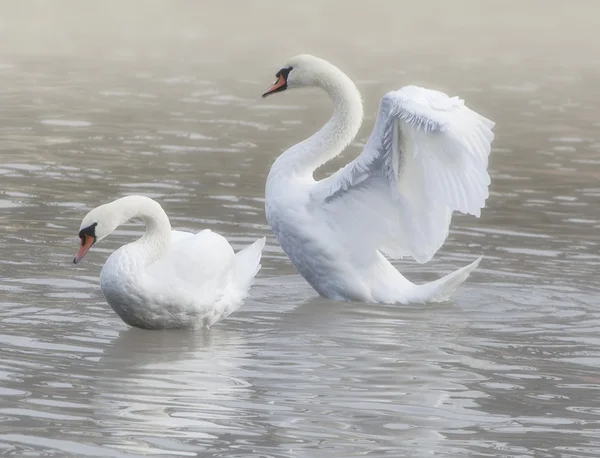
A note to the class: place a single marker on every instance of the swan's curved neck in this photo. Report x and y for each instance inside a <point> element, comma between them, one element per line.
<point>155,241</point>
<point>336,134</point>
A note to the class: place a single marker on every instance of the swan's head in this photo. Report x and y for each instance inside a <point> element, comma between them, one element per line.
<point>301,71</point>
<point>96,225</point>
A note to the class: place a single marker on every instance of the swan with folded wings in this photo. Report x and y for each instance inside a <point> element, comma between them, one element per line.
<point>168,279</point>
<point>426,158</point>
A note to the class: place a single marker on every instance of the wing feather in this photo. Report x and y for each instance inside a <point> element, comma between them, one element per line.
<point>426,158</point>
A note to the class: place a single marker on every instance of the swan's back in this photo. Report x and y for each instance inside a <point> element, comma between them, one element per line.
<point>203,260</point>
<point>204,265</point>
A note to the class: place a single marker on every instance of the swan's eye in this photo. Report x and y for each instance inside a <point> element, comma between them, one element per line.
<point>285,72</point>
<point>89,231</point>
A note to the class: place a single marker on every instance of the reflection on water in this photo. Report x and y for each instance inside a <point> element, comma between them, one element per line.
<point>509,368</point>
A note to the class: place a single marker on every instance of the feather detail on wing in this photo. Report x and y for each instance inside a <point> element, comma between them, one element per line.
<point>426,157</point>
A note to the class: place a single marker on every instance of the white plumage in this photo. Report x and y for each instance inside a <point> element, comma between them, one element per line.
<point>168,279</point>
<point>430,153</point>
<point>426,157</point>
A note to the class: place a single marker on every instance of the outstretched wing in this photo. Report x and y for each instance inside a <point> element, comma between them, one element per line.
<point>426,157</point>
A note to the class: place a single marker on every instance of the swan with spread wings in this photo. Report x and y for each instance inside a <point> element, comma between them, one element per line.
<point>426,158</point>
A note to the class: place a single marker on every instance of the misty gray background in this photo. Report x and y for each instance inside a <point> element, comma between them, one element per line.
<point>104,99</point>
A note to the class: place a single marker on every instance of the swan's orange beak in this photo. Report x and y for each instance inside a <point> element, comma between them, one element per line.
<point>277,86</point>
<point>86,243</point>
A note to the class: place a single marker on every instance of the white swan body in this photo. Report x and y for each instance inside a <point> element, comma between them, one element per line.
<point>168,279</point>
<point>426,157</point>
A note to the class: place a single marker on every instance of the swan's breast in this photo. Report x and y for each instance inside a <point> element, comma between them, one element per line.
<point>120,286</point>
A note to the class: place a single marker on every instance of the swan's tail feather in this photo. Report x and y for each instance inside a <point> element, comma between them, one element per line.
<point>441,290</point>
<point>247,262</point>
<point>247,265</point>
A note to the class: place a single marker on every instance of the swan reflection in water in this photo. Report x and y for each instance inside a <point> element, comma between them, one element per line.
<point>172,384</point>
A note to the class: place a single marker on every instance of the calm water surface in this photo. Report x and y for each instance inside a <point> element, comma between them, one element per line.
<point>511,367</point>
